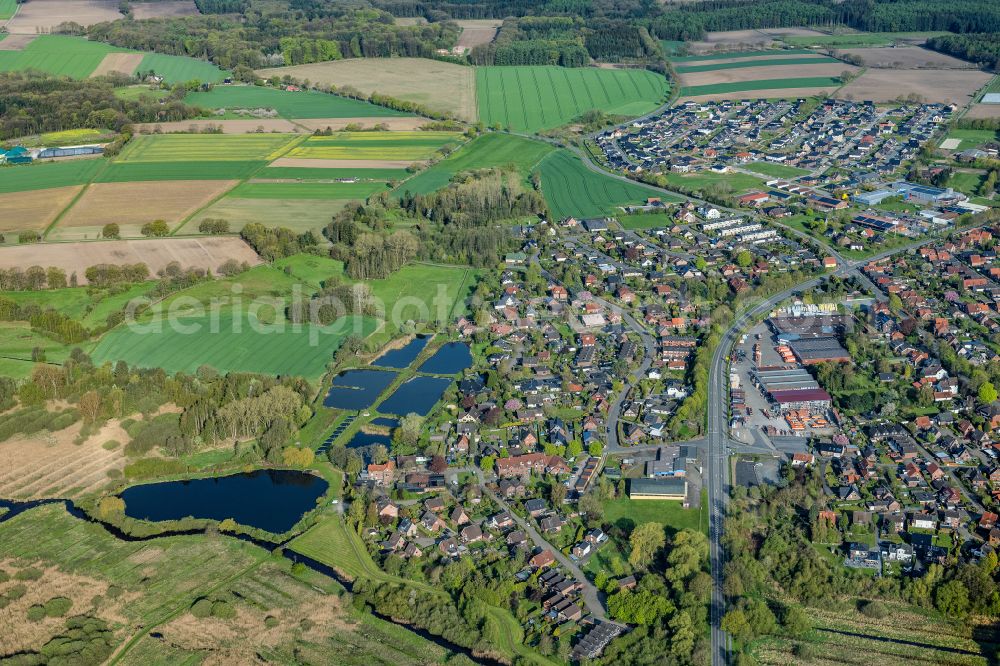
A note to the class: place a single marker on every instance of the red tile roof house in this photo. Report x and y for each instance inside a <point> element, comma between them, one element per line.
<point>382,475</point>
<point>753,199</point>
<point>528,463</point>
<point>542,559</point>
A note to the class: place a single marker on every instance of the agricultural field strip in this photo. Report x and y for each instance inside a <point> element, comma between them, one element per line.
<point>693,68</point>
<point>213,147</point>
<point>765,84</point>
<point>742,54</point>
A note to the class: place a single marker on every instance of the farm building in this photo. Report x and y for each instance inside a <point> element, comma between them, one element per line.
<point>69,151</point>
<point>671,488</point>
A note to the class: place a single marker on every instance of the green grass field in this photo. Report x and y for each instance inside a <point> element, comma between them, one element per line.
<point>181,69</point>
<point>233,345</point>
<point>646,221</point>
<point>25,177</point>
<point>59,55</point>
<point>395,146</point>
<point>17,341</point>
<point>735,182</point>
<point>669,513</point>
<point>693,68</point>
<point>299,215</point>
<point>860,39</point>
<point>571,189</point>
<point>489,150</point>
<point>320,174</point>
<point>535,98</point>
<point>310,191</point>
<point>741,54</point>
<point>188,148</point>
<point>967,183</point>
<point>128,172</point>
<point>7,9</point>
<point>971,138</point>
<point>776,170</point>
<point>304,104</point>
<point>763,84</point>
<point>310,269</point>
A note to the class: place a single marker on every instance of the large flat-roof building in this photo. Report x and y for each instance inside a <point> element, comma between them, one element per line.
<point>810,351</point>
<point>670,488</point>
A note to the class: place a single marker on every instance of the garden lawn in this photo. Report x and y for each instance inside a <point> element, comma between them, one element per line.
<point>532,98</point>
<point>489,150</point>
<point>180,69</point>
<point>43,176</point>
<point>359,190</point>
<point>390,146</point>
<point>190,148</point>
<point>571,189</point>
<point>303,104</point>
<point>237,343</point>
<point>763,84</point>
<point>59,55</point>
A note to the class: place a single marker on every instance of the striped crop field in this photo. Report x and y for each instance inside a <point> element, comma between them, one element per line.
<point>571,189</point>
<point>765,84</point>
<point>741,54</point>
<point>389,146</point>
<point>205,147</point>
<point>531,98</point>
<point>738,64</point>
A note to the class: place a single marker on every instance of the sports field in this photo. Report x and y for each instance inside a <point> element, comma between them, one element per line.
<point>535,98</point>
<point>180,69</point>
<point>303,104</point>
<point>200,147</point>
<point>389,146</point>
<point>315,191</point>
<point>488,150</point>
<point>573,190</point>
<point>238,343</point>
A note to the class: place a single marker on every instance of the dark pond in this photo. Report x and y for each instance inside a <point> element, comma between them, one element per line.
<point>363,439</point>
<point>404,356</point>
<point>357,389</point>
<point>386,422</point>
<point>272,500</point>
<point>416,395</point>
<point>450,359</point>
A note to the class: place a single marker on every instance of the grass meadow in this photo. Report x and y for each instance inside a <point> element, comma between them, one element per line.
<point>488,150</point>
<point>776,170</point>
<point>303,104</point>
<point>181,69</point>
<point>571,189</point>
<point>7,9</point>
<point>321,174</point>
<point>240,342</point>
<point>529,99</point>
<point>740,54</point>
<point>127,172</point>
